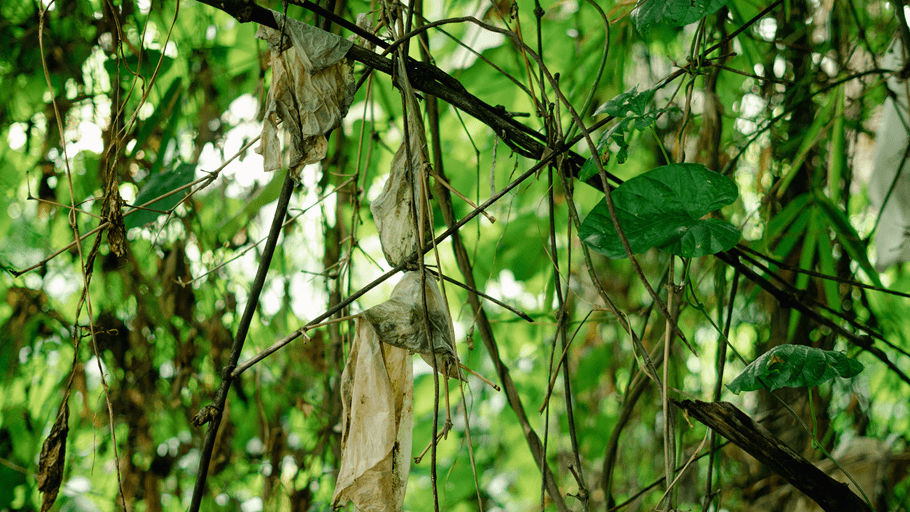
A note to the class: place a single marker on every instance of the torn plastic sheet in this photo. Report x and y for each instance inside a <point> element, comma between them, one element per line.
<point>377,390</point>
<point>398,322</point>
<point>392,210</point>
<point>312,88</point>
<point>890,179</point>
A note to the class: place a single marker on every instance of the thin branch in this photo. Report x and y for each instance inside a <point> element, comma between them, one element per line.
<point>212,413</point>
<point>398,268</point>
<point>521,314</point>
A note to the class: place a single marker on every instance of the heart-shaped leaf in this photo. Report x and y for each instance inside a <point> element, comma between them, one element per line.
<point>664,208</point>
<point>794,366</point>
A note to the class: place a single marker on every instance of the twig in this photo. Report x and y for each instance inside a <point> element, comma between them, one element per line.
<point>461,196</point>
<point>479,376</point>
<point>522,314</point>
<point>206,181</point>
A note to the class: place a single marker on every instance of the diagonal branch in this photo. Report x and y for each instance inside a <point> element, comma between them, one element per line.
<point>737,426</point>
<point>212,412</point>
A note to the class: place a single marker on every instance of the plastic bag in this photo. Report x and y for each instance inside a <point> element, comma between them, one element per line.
<point>377,390</point>
<point>312,88</point>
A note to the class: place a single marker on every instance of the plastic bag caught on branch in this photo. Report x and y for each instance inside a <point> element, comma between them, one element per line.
<point>398,322</point>
<point>377,390</point>
<point>889,187</point>
<point>312,88</point>
<point>392,210</point>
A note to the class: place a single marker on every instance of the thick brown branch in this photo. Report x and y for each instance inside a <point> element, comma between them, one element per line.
<point>432,80</point>
<point>737,426</point>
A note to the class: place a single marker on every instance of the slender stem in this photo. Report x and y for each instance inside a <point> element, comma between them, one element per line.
<point>215,410</point>
<point>669,439</point>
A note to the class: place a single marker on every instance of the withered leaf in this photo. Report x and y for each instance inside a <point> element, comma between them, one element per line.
<point>53,458</point>
<point>205,415</point>
<point>116,232</point>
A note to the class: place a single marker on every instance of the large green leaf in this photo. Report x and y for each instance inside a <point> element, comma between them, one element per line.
<point>157,186</point>
<point>664,208</point>
<point>673,12</point>
<point>794,366</point>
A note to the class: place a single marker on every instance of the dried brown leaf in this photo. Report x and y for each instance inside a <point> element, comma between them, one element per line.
<point>116,232</point>
<point>53,458</point>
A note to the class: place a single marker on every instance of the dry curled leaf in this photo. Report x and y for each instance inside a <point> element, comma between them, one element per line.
<point>205,415</point>
<point>53,458</point>
<point>312,88</point>
<point>116,232</point>
<point>399,321</point>
<point>377,390</point>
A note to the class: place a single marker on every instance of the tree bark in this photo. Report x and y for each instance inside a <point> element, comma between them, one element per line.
<point>738,427</point>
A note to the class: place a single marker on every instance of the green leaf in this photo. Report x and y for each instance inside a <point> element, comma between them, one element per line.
<point>632,107</point>
<point>628,104</point>
<point>664,208</point>
<point>847,236</point>
<point>615,134</point>
<point>794,366</point>
<point>157,186</point>
<point>673,12</point>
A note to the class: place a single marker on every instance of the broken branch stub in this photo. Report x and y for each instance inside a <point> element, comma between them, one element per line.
<point>398,322</point>
<point>312,88</point>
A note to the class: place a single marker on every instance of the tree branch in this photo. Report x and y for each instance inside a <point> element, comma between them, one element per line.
<point>432,80</point>
<point>737,426</point>
<point>212,412</point>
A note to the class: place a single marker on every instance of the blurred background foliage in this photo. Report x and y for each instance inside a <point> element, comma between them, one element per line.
<point>151,97</point>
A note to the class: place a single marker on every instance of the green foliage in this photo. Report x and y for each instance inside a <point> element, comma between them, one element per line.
<point>794,366</point>
<point>633,110</point>
<point>789,129</point>
<point>673,12</point>
<point>158,185</point>
<point>664,208</point>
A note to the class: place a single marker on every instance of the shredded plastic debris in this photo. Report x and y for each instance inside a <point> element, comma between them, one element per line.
<point>392,210</point>
<point>399,322</point>
<point>312,88</point>
<point>377,390</point>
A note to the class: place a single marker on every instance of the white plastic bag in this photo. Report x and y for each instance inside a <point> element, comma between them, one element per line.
<point>312,88</point>
<point>377,390</point>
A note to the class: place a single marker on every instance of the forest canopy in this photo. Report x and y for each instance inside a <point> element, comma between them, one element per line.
<point>454,255</point>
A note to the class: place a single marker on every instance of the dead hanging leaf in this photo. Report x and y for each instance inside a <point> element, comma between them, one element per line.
<point>377,390</point>
<point>312,88</point>
<point>116,232</point>
<point>53,457</point>
<point>398,322</point>
<point>392,210</point>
